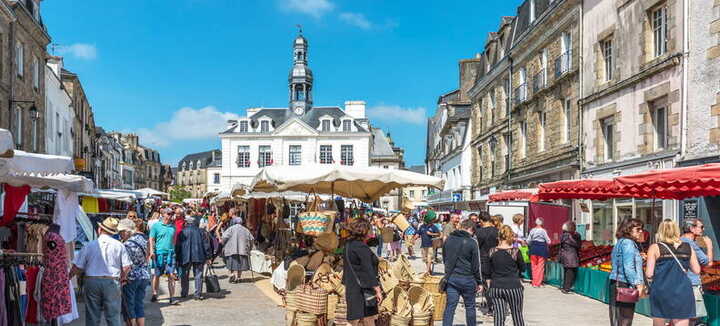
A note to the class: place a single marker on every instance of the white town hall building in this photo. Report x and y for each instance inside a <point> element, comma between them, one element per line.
<point>303,134</point>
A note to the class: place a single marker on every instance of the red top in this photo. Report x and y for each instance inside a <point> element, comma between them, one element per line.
<point>179,225</point>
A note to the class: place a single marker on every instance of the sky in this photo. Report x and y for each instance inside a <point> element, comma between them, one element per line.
<point>174,71</point>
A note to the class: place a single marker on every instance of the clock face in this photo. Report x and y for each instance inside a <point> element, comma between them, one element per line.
<point>298,110</point>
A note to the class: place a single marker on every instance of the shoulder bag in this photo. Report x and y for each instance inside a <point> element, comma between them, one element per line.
<point>626,294</point>
<point>444,280</point>
<point>212,284</point>
<point>370,300</point>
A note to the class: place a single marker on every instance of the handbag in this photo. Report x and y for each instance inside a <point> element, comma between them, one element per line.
<point>212,284</point>
<point>370,299</point>
<point>626,294</point>
<point>311,300</point>
<point>313,222</point>
<point>442,285</point>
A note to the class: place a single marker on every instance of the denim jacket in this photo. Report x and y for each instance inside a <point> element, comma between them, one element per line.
<point>631,263</point>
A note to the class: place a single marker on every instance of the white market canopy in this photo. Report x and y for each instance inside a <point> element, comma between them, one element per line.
<point>289,195</point>
<point>365,183</point>
<point>112,195</point>
<point>7,145</point>
<point>239,189</point>
<point>142,193</point>
<point>74,183</point>
<point>31,164</point>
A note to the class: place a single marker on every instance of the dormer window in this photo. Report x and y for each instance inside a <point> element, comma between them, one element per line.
<point>265,126</point>
<point>325,124</point>
<point>243,126</point>
<point>192,165</point>
<point>347,125</point>
<point>199,165</point>
<point>532,11</point>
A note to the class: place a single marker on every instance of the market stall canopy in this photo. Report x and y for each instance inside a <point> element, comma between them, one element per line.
<point>7,145</point>
<point>109,194</point>
<point>289,195</point>
<point>599,189</point>
<point>675,183</point>
<point>364,183</point>
<point>31,164</point>
<point>148,192</point>
<point>516,195</point>
<point>74,183</point>
<point>220,198</point>
<point>239,189</point>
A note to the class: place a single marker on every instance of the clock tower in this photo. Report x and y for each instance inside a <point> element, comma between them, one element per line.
<point>301,78</point>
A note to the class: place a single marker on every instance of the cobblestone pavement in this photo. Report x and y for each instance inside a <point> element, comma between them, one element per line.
<point>255,303</point>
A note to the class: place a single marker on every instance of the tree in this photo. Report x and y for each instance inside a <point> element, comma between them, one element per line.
<point>178,194</point>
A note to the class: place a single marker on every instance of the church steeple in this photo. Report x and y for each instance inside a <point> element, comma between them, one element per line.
<point>301,78</point>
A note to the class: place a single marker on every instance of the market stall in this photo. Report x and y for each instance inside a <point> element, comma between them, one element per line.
<point>668,184</point>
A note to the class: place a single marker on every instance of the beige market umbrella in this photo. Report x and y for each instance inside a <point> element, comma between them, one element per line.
<point>365,183</point>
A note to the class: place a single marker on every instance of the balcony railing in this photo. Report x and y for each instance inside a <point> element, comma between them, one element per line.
<point>520,93</point>
<point>562,64</point>
<point>539,81</point>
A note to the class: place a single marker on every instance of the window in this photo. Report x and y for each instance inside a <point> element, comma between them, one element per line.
<point>523,138</point>
<point>347,125</point>
<point>567,118</point>
<point>543,62</point>
<point>521,90</point>
<point>243,159</point>
<point>411,194</point>
<point>659,121</point>
<point>326,125</point>
<point>326,154</point>
<point>562,63</point>
<point>192,165</point>
<point>299,93</point>
<point>492,146</point>
<point>532,11</point>
<point>264,126</point>
<point>19,61</point>
<point>33,138</point>
<point>36,73</point>
<point>243,126</point>
<point>216,178</point>
<point>542,121</point>
<point>608,130</point>
<point>607,52</point>
<point>508,142</point>
<point>346,155</point>
<point>295,155</point>
<point>660,30</point>
<point>17,130</point>
<point>264,156</point>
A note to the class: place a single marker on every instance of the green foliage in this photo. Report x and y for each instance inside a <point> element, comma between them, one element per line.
<point>178,194</point>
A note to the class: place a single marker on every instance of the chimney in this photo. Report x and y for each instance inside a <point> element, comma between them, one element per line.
<point>355,109</point>
<point>56,64</point>
<point>212,156</point>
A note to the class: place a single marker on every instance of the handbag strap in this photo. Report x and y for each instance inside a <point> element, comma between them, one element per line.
<point>351,268</point>
<point>673,254</point>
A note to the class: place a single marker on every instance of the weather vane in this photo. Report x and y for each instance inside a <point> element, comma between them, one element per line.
<point>299,28</point>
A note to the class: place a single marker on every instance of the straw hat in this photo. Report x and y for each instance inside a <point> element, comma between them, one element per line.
<point>110,225</point>
<point>327,241</point>
<point>295,277</point>
<point>126,224</point>
<point>315,260</point>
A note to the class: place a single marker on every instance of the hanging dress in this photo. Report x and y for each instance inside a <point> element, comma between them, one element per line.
<point>55,288</point>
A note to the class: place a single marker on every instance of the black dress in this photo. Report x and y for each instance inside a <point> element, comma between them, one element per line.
<point>364,264</point>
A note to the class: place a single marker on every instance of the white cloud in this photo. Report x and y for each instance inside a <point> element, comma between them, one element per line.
<point>79,50</point>
<point>396,113</point>
<point>356,19</point>
<point>187,124</point>
<point>315,8</point>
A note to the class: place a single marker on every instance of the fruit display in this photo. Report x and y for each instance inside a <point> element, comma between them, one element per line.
<point>710,277</point>
<point>590,254</point>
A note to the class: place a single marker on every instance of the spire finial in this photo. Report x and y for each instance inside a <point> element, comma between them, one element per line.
<point>299,28</point>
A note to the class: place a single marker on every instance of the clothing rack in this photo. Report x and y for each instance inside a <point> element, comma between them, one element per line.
<point>20,258</point>
<point>30,220</point>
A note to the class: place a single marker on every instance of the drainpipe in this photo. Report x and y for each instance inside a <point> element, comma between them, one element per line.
<point>684,89</point>
<point>509,123</point>
<point>581,110</point>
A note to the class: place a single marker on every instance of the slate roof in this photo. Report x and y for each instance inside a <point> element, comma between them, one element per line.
<point>312,117</point>
<point>523,16</point>
<point>417,169</point>
<point>205,158</point>
<point>381,146</point>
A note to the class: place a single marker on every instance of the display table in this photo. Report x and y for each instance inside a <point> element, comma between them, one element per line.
<point>595,284</point>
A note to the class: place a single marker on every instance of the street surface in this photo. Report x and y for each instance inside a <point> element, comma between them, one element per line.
<point>255,303</point>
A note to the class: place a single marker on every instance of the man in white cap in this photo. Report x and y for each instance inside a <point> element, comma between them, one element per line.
<point>105,263</point>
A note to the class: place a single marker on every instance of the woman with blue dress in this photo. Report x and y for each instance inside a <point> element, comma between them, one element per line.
<point>671,293</point>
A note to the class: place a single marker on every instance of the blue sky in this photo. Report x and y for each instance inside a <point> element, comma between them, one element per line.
<point>175,71</point>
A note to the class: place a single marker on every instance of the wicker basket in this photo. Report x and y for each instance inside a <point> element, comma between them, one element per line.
<point>422,320</point>
<point>432,283</point>
<point>341,312</point>
<point>332,306</point>
<point>306,319</point>
<point>290,301</point>
<point>396,320</point>
<point>439,301</point>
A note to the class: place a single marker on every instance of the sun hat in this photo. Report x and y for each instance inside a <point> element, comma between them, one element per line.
<point>126,224</point>
<point>295,276</point>
<point>110,225</point>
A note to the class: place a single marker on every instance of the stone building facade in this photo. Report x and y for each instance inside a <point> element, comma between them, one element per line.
<point>192,172</point>
<point>632,101</point>
<point>83,128</point>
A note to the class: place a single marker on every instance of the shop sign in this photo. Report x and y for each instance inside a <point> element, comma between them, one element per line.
<point>690,208</point>
<point>457,197</point>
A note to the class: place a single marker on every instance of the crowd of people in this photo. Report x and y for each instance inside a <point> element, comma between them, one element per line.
<point>132,254</point>
<point>485,259</point>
